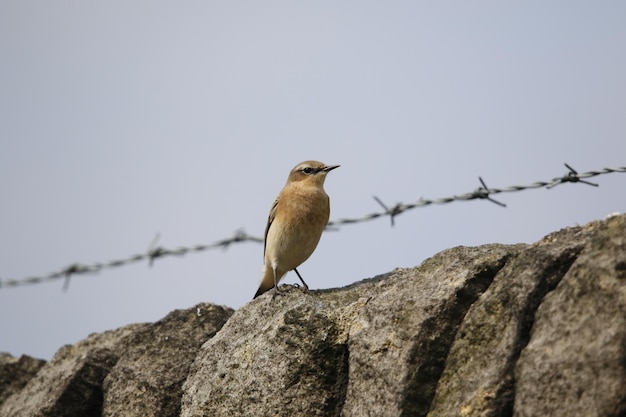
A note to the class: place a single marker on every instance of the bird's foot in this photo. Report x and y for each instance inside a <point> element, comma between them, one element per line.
<point>276,292</point>
<point>304,288</point>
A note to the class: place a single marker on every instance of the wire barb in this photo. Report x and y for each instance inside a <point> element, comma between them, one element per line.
<point>69,271</point>
<point>571,176</point>
<point>483,192</point>
<point>154,251</point>
<point>391,212</point>
<point>241,236</point>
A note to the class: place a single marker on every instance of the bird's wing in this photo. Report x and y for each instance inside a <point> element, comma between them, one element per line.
<point>270,220</point>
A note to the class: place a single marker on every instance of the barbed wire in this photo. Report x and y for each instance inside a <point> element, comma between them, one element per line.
<point>481,193</point>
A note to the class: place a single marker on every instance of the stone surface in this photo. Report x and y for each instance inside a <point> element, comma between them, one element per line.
<point>406,329</point>
<point>16,372</point>
<point>70,384</point>
<point>479,376</point>
<point>497,330</point>
<point>137,370</point>
<point>575,362</point>
<point>147,379</point>
<point>376,348</point>
<point>240,373</point>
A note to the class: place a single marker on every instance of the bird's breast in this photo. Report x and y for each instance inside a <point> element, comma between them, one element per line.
<point>298,224</point>
<point>305,207</point>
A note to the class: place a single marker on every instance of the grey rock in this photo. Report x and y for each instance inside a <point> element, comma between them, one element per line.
<point>147,379</point>
<point>70,383</point>
<point>407,327</point>
<point>479,373</point>
<point>137,370</point>
<point>376,348</point>
<point>16,372</point>
<point>575,361</point>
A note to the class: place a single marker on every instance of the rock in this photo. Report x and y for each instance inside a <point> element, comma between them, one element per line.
<point>137,370</point>
<point>376,348</point>
<point>16,372</point>
<point>147,379</point>
<point>70,384</point>
<point>497,330</point>
<point>408,325</point>
<point>479,376</point>
<point>575,361</point>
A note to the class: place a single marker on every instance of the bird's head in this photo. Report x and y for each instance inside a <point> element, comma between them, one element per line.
<point>310,172</point>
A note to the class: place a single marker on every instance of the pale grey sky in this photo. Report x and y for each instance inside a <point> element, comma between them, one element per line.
<point>120,120</point>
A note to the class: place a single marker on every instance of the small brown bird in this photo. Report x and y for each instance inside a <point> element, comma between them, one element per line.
<point>295,224</point>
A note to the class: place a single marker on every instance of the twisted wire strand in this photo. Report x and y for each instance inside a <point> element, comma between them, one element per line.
<point>483,192</point>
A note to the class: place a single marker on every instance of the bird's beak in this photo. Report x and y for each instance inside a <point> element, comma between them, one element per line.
<point>330,168</point>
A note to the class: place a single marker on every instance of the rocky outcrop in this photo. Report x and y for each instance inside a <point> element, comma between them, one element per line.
<point>16,372</point>
<point>137,370</point>
<point>497,330</point>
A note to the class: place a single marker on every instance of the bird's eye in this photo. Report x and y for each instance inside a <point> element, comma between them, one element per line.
<point>307,170</point>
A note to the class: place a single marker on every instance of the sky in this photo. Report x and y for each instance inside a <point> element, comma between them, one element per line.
<point>126,126</point>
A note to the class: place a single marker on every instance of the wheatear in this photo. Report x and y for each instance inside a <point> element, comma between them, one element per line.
<point>295,223</point>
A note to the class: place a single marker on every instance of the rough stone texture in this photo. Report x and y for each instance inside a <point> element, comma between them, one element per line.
<point>298,372</point>
<point>498,330</point>
<point>575,362</point>
<point>16,372</point>
<point>406,329</point>
<point>148,378</point>
<point>70,384</point>
<point>137,370</point>
<point>479,375</point>
<point>376,348</point>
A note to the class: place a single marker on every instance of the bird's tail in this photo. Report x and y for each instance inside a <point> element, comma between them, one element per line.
<point>267,281</point>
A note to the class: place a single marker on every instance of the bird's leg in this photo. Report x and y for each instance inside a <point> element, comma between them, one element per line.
<point>276,290</point>
<point>306,287</point>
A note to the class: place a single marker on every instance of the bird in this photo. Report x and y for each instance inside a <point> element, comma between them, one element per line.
<point>295,223</point>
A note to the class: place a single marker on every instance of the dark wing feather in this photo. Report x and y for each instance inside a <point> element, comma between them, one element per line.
<point>270,220</point>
